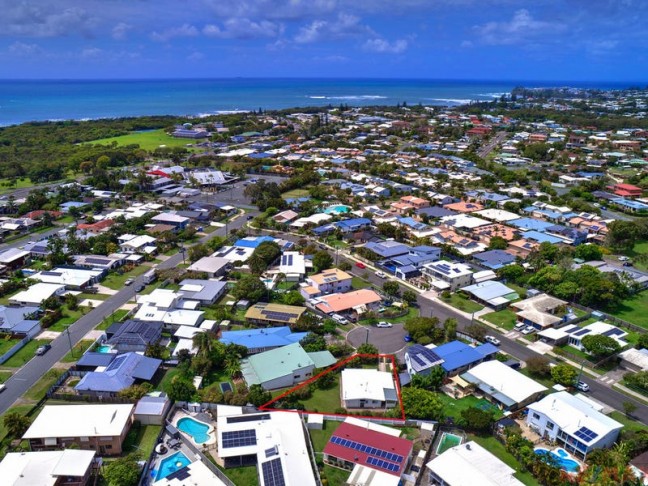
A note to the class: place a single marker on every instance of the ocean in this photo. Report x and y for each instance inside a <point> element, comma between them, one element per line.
<point>31,100</point>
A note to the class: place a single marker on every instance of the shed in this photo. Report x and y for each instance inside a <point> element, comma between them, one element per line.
<point>152,410</point>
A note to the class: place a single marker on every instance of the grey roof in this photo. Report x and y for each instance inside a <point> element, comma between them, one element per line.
<point>95,359</point>
<point>14,318</point>
<point>210,289</point>
<point>135,332</point>
<point>151,405</point>
<point>121,373</point>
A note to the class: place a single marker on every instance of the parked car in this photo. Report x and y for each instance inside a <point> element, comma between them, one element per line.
<point>129,281</point>
<point>493,340</point>
<point>520,326</point>
<point>528,330</point>
<point>139,288</point>
<point>41,350</point>
<point>407,338</point>
<point>384,324</point>
<point>624,258</point>
<point>3,387</point>
<point>381,274</point>
<point>360,265</point>
<point>582,386</point>
<point>250,217</point>
<point>627,264</point>
<point>340,319</point>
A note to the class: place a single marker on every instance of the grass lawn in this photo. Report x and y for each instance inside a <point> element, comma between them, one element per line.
<point>640,248</point>
<point>79,349</point>
<point>40,388</point>
<point>7,185</point>
<point>505,318</point>
<point>335,476</point>
<point>459,301</point>
<point>5,375</point>
<point>453,408</point>
<point>495,447</point>
<point>141,438</point>
<point>7,344</point>
<point>629,425</point>
<point>242,475</point>
<point>69,317</point>
<point>325,400</point>
<point>634,309</point>
<point>320,438</point>
<point>25,354</point>
<point>411,312</point>
<point>357,283</point>
<point>296,193</point>
<point>548,382</point>
<point>166,379</point>
<point>149,140</point>
<point>116,316</point>
<point>93,296</point>
<point>116,281</point>
<point>21,409</point>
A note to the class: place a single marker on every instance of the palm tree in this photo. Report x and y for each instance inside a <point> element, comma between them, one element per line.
<point>16,424</point>
<point>202,341</point>
<point>233,367</point>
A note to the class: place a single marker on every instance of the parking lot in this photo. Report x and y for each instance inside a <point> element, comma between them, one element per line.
<point>387,340</point>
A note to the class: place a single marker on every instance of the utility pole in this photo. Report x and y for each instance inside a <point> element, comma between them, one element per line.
<point>67,331</point>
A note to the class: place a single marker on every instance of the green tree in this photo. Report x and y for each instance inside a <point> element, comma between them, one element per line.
<point>422,404</point>
<point>124,471</point>
<point>623,235</point>
<point>292,298</point>
<point>420,327</point>
<point>391,288</point>
<point>409,296</point>
<point>497,243</point>
<point>564,374</point>
<point>450,328</point>
<point>589,252</point>
<point>432,381</point>
<point>511,273</point>
<point>367,348</point>
<point>538,366</point>
<point>257,396</point>
<point>198,251</point>
<point>135,392</point>
<point>16,424</point>
<point>476,419</point>
<point>322,261</point>
<point>180,389</point>
<point>313,342</point>
<point>155,350</point>
<point>642,342</point>
<point>257,264</point>
<point>249,287</point>
<point>629,408</point>
<point>600,345</point>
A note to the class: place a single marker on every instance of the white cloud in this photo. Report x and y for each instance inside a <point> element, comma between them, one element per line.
<point>185,30</point>
<point>520,28</point>
<point>382,46</point>
<point>24,50</point>
<point>271,9</point>
<point>92,53</point>
<point>120,31</point>
<point>195,56</point>
<point>344,26</point>
<point>242,28</point>
<point>39,20</point>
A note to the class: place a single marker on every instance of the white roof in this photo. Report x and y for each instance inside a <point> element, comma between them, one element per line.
<point>43,468</point>
<point>554,334</point>
<point>498,215</point>
<point>198,474</point>
<point>37,293</point>
<point>367,476</point>
<point>73,277</point>
<point>464,221</point>
<point>372,426</point>
<point>505,380</point>
<point>363,384</point>
<point>160,298</point>
<point>470,464</point>
<point>297,263</point>
<point>80,421</point>
<point>209,264</point>
<point>571,413</point>
<point>638,357</point>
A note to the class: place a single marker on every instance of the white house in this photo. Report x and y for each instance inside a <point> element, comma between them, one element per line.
<point>448,275</point>
<point>137,243</point>
<point>470,464</point>
<point>37,294</point>
<point>575,422</point>
<point>366,388</point>
<point>293,266</point>
<point>597,328</point>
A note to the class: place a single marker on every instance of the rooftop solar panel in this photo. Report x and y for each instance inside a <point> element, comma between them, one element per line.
<point>248,418</point>
<point>366,449</point>
<point>239,438</point>
<point>273,473</point>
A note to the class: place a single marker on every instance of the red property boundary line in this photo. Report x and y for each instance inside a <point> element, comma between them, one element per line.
<point>268,406</point>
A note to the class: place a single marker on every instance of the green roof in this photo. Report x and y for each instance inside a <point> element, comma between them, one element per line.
<point>278,362</point>
<point>322,359</point>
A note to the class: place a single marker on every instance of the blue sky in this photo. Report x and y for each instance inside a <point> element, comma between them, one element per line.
<point>578,40</point>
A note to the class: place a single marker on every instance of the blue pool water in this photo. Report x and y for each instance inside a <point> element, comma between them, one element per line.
<point>103,349</point>
<point>171,464</point>
<point>562,457</point>
<point>195,429</point>
<point>337,209</point>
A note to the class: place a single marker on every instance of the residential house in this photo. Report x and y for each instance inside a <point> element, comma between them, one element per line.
<point>206,292</point>
<point>634,359</point>
<point>470,464</point>
<point>459,357</point>
<point>14,258</point>
<point>353,303</point>
<point>264,339</point>
<point>71,278</point>
<point>494,259</point>
<point>266,314</point>
<point>464,207</point>
<point>283,367</point>
<point>420,359</point>
<point>19,321</point>
<point>213,266</point>
<point>293,266</point>
<point>36,294</point>
<point>69,467</point>
<point>508,389</point>
<point>576,423</point>
<point>597,328</point>
<point>123,371</point>
<point>326,282</point>
<point>169,307</point>
<point>448,275</point>
<point>178,222</point>
<point>137,244</point>
<point>492,294</point>
<point>539,311</point>
<point>133,335</point>
<point>626,190</point>
<point>100,428</point>
<point>388,248</point>
<point>367,388</point>
<point>101,262</point>
<point>369,450</point>
<point>152,410</point>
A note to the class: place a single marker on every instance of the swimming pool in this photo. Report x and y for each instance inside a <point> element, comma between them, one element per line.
<point>337,209</point>
<point>447,441</point>
<point>562,457</point>
<point>103,349</point>
<point>171,464</point>
<point>199,431</point>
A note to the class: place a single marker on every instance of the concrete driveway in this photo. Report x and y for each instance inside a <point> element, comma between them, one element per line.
<point>387,340</point>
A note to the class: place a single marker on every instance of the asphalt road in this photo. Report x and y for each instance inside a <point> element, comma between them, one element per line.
<point>33,237</point>
<point>598,390</point>
<point>488,148</point>
<point>31,372</point>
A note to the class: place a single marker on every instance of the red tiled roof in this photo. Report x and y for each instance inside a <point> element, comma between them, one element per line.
<point>99,225</point>
<point>372,438</point>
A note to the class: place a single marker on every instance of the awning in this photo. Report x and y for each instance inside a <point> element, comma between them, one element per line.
<point>460,382</point>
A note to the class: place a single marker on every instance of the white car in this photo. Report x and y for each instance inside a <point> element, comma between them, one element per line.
<point>339,318</point>
<point>493,340</point>
<point>381,274</point>
<point>624,258</point>
<point>384,324</point>
<point>528,330</point>
<point>520,326</point>
<point>3,387</point>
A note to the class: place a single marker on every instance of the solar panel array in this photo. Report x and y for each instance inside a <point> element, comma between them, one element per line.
<point>279,316</point>
<point>248,418</point>
<point>367,449</point>
<point>424,358</point>
<point>586,434</point>
<point>239,438</point>
<point>287,260</point>
<point>374,461</point>
<point>273,473</point>
<point>613,332</point>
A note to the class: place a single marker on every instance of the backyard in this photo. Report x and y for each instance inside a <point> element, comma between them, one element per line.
<point>324,401</point>
<point>116,316</point>
<point>495,447</point>
<point>634,309</point>
<point>463,303</point>
<point>453,408</point>
<point>505,318</point>
<point>116,281</point>
<point>78,349</point>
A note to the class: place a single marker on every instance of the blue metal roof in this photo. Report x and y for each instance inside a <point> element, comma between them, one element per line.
<point>387,249</point>
<point>456,354</point>
<point>530,224</point>
<point>253,242</point>
<point>494,259</point>
<point>541,237</point>
<point>263,338</point>
<point>121,373</point>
